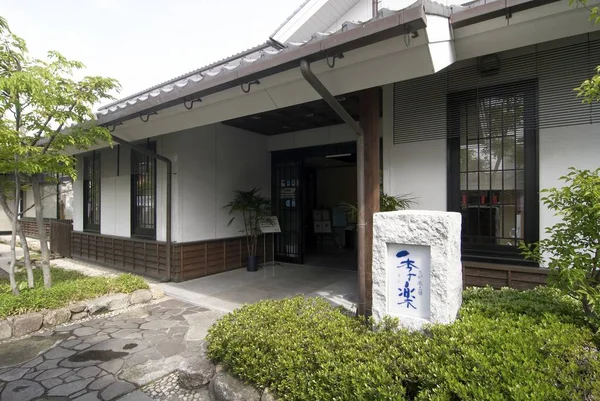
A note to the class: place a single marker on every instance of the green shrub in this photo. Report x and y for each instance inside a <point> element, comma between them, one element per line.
<point>506,345</point>
<point>68,286</point>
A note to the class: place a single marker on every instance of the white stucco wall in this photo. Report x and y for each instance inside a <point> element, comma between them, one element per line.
<point>559,149</point>
<point>48,200</point>
<point>5,224</point>
<point>115,192</point>
<point>416,169</point>
<point>213,161</point>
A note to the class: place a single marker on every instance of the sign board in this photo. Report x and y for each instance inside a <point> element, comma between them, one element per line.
<point>287,193</point>
<point>269,225</point>
<point>408,278</point>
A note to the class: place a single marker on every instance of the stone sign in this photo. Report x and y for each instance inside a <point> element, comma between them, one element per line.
<point>417,271</point>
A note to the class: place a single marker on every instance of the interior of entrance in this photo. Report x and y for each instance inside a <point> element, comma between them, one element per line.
<point>330,195</point>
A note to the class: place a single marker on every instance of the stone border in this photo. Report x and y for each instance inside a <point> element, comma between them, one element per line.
<point>199,373</point>
<point>22,325</point>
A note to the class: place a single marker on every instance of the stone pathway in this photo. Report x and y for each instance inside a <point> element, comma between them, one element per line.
<point>110,358</point>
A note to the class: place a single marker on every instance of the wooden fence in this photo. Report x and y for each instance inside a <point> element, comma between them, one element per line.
<point>477,274</point>
<point>60,237</point>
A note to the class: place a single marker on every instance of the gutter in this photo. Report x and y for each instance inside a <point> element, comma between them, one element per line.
<point>491,10</point>
<point>318,86</point>
<point>169,164</point>
<point>374,31</point>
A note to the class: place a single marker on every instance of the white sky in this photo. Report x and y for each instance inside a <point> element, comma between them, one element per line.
<point>144,42</point>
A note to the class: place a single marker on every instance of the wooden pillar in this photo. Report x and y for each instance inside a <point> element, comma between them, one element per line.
<point>369,107</point>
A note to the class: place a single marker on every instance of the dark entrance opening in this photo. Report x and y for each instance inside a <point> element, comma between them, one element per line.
<point>312,190</point>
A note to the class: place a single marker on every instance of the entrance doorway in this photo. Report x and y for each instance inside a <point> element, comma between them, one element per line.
<point>313,191</point>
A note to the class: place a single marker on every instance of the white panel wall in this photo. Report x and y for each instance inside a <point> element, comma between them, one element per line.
<point>115,192</point>
<point>561,148</point>
<point>417,169</point>
<point>214,161</point>
<point>78,196</point>
<point>48,200</point>
<point>312,137</point>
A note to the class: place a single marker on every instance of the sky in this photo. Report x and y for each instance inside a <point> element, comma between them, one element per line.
<point>144,42</point>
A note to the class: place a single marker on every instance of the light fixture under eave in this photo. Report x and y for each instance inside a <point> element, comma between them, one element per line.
<point>255,117</point>
<point>340,98</point>
<point>338,155</point>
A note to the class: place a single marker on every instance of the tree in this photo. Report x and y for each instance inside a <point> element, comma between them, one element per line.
<point>44,111</point>
<point>589,90</point>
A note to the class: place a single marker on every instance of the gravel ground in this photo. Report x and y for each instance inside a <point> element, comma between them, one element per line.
<point>167,389</point>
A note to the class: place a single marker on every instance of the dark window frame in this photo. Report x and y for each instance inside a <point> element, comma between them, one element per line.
<point>91,178</point>
<point>496,252</point>
<point>143,218</point>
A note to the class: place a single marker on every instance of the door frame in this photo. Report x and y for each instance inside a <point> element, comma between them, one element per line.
<point>298,155</point>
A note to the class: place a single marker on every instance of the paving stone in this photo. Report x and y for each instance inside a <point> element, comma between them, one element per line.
<point>56,317</point>
<point>67,328</point>
<point>69,388</point>
<point>140,296</point>
<point>136,396</point>
<point>96,339</point>
<point>5,329</point>
<point>90,371</point>
<point>79,394</point>
<point>22,390</point>
<point>145,373</point>
<point>51,364</point>
<point>93,396</point>
<point>58,353</point>
<point>31,375</point>
<point>70,343</point>
<point>116,389</point>
<point>112,366</point>
<point>51,382</point>
<point>200,323</point>
<point>102,382</point>
<point>33,363</point>
<point>86,331</point>
<point>124,333</point>
<point>157,324</point>
<point>70,372</point>
<point>52,373</point>
<point>171,347</point>
<point>72,378</point>
<point>81,347</point>
<point>27,323</point>
<point>13,374</point>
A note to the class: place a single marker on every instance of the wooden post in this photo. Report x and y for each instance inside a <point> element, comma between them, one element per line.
<point>369,107</point>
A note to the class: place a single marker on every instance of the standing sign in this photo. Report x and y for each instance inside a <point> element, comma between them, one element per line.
<point>408,280</point>
<point>269,225</point>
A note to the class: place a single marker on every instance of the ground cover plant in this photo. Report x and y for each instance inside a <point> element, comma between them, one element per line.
<point>69,286</point>
<point>506,345</point>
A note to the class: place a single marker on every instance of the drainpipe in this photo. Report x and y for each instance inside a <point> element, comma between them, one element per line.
<point>169,164</point>
<point>312,79</point>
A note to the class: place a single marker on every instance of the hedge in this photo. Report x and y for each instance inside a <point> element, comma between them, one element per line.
<point>506,345</point>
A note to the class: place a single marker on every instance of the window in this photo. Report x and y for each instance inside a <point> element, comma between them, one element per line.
<point>493,168</point>
<point>143,194</point>
<point>91,192</point>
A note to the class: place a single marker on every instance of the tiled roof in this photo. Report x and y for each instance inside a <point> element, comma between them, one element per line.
<point>251,56</point>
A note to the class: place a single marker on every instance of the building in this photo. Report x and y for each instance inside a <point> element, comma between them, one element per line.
<point>463,108</point>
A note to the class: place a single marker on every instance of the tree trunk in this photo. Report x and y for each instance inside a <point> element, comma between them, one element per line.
<point>26,256</point>
<point>39,218</point>
<point>21,233</point>
<point>13,242</point>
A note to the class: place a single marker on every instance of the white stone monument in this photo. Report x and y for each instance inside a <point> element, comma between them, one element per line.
<point>417,271</point>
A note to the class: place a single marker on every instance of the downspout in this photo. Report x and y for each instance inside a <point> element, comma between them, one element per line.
<point>312,79</point>
<point>169,164</point>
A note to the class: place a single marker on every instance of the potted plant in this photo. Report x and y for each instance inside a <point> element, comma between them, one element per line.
<point>252,207</point>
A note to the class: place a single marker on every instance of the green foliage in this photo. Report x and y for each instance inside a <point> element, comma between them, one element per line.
<point>572,249</point>
<point>387,203</point>
<point>44,109</point>
<point>589,90</point>
<point>69,286</point>
<point>253,207</point>
<point>506,345</point>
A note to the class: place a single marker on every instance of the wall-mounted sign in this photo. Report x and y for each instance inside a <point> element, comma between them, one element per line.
<point>408,280</point>
<point>269,224</point>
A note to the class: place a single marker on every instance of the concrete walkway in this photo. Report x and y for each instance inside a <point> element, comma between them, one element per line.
<point>230,290</point>
<point>107,358</point>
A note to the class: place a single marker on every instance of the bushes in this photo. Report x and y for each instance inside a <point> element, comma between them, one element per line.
<point>68,286</point>
<point>506,345</point>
